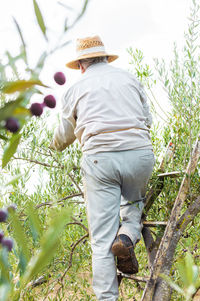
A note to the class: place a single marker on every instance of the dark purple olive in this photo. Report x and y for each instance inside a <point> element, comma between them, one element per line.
<point>12,125</point>
<point>3,215</point>
<point>50,101</point>
<point>1,236</point>
<point>59,78</point>
<point>36,109</point>
<point>7,243</point>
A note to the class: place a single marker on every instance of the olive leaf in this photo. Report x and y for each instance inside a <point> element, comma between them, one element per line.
<point>40,19</point>
<point>10,149</point>
<point>20,85</point>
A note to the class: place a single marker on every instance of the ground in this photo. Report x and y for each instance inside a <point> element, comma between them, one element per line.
<point>80,290</point>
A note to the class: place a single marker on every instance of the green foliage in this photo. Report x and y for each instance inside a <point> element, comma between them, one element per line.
<point>39,18</point>
<point>20,85</point>
<point>16,105</point>
<point>8,109</point>
<point>180,125</point>
<point>49,244</point>
<point>29,265</point>
<point>189,277</point>
<point>41,239</point>
<point>10,149</point>
<point>21,37</point>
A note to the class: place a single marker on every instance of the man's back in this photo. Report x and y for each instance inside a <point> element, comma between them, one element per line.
<point>110,110</point>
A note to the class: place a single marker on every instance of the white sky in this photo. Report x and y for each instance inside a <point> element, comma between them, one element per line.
<point>150,25</point>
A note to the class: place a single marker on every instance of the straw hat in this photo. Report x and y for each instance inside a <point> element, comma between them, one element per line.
<point>88,48</point>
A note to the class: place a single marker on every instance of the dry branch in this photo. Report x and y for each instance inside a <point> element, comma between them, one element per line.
<point>154,224</point>
<point>189,215</point>
<point>153,193</point>
<point>71,255</point>
<point>70,196</point>
<point>54,166</point>
<point>197,296</point>
<point>132,277</point>
<point>156,189</point>
<point>150,245</point>
<point>36,162</point>
<point>76,222</point>
<point>59,201</point>
<point>60,279</point>
<point>162,291</point>
<point>39,281</point>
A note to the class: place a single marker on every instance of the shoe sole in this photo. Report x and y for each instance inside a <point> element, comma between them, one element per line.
<point>119,250</point>
<point>126,259</point>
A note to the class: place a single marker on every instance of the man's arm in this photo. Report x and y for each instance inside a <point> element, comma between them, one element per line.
<point>64,133</point>
<point>145,104</point>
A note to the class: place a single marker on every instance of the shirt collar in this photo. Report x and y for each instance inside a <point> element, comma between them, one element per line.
<point>95,66</point>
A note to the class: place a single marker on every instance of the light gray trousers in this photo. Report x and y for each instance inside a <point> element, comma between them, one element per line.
<point>115,185</point>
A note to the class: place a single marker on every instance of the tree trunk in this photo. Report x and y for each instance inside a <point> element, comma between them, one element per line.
<point>162,289</point>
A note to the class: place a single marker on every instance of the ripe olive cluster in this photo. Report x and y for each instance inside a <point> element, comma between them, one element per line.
<point>6,242</point>
<point>36,109</point>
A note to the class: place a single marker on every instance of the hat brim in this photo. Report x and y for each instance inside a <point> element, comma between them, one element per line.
<point>75,63</point>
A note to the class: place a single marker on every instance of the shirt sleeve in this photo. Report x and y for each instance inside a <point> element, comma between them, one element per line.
<point>64,133</point>
<point>145,104</point>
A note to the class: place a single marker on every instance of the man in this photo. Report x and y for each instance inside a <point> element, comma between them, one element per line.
<point>108,112</point>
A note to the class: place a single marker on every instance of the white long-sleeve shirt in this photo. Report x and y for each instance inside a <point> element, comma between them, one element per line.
<point>106,110</point>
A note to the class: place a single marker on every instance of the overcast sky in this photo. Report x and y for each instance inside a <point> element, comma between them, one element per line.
<point>150,25</point>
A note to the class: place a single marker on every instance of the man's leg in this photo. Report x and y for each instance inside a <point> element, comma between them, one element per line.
<point>137,169</point>
<point>103,193</point>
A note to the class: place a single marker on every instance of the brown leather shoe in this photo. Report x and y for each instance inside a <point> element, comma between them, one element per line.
<point>123,248</point>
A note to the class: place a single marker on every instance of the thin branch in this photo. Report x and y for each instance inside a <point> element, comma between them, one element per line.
<point>71,255</point>
<point>70,262</point>
<point>70,196</point>
<point>158,103</point>
<point>80,15</point>
<point>48,165</point>
<point>65,6</point>
<point>156,189</point>
<point>44,204</point>
<point>39,152</point>
<point>189,214</point>
<point>68,173</point>
<point>39,281</point>
<point>76,202</point>
<point>77,223</point>
<point>36,162</point>
<point>59,201</point>
<point>132,277</point>
<point>166,122</point>
<point>154,224</point>
<point>77,186</point>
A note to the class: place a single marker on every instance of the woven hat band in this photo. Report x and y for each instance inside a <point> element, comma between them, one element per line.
<point>91,50</point>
